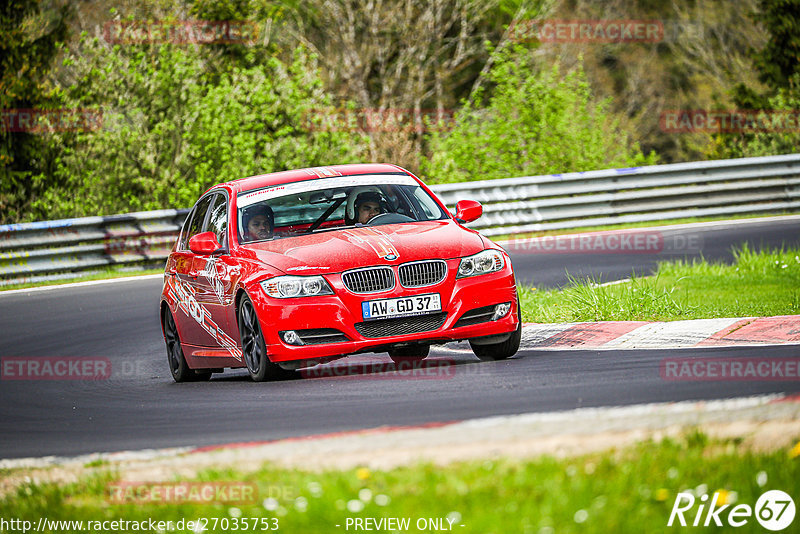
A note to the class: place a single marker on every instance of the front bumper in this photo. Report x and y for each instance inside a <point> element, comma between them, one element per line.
<point>332,326</point>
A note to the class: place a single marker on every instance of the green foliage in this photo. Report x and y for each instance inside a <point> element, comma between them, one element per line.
<point>172,128</point>
<point>758,284</point>
<point>778,66</point>
<point>535,122</point>
<point>32,31</point>
<point>779,61</point>
<point>777,127</point>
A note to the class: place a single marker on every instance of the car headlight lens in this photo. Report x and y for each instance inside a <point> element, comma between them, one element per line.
<point>284,287</point>
<point>488,261</point>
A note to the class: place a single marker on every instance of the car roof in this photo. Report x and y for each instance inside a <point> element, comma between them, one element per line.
<point>311,173</point>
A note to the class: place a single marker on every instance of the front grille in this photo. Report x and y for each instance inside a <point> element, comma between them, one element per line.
<point>321,336</point>
<point>401,325</point>
<point>369,280</point>
<point>476,316</point>
<point>422,273</point>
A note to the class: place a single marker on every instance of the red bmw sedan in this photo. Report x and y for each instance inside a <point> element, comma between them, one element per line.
<point>292,269</point>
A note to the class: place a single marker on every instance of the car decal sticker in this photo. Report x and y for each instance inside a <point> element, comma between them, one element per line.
<point>183,295</point>
<point>381,245</point>
<point>322,172</point>
<point>252,197</point>
<point>211,272</point>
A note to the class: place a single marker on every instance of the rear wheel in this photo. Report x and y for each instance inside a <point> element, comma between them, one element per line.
<point>254,350</point>
<point>177,362</point>
<point>412,353</point>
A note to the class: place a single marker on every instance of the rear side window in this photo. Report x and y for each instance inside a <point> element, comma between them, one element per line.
<point>218,219</point>
<point>194,225</point>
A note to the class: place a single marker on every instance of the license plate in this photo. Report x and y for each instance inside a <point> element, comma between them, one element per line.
<point>401,306</point>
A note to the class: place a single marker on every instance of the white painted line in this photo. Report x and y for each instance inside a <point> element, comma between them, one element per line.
<point>670,334</point>
<point>82,284</point>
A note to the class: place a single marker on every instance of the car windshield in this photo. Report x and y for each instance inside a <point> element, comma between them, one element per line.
<point>331,203</point>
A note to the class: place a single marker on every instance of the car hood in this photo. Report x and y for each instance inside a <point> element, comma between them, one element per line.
<point>340,250</point>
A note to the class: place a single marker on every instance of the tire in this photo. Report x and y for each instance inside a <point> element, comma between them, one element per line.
<point>412,353</point>
<point>178,367</point>
<point>499,351</point>
<point>254,351</point>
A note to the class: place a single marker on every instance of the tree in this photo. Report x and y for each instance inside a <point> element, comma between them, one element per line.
<point>32,31</point>
<point>536,121</point>
<point>172,127</point>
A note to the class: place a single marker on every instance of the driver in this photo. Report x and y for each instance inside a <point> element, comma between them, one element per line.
<point>368,205</point>
<point>258,222</point>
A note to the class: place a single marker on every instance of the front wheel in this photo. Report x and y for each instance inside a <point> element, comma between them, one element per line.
<point>254,350</point>
<point>499,351</point>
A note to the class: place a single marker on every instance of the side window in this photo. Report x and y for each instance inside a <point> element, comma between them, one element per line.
<point>218,219</point>
<point>198,217</point>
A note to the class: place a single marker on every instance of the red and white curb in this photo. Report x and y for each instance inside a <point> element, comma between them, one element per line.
<point>779,330</point>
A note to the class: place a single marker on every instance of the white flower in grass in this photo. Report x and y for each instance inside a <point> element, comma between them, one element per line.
<point>761,479</point>
<point>234,512</point>
<point>271,504</point>
<point>315,488</point>
<point>454,518</point>
<point>354,506</point>
<point>365,495</point>
<point>382,500</point>
<point>580,516</point>
<point>301,504</point>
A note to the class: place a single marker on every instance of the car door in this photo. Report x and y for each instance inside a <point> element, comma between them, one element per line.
<point>214,278</point>
<point>182,275</point>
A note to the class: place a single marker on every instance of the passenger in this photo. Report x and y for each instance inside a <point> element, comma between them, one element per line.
<point>258,222</point>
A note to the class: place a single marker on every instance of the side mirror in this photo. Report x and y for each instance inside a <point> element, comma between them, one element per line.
<point>204,243</point>
<point>468,210</point>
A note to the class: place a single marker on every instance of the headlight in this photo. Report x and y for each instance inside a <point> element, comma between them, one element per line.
<point>284,287</point>
<point>484,262</point>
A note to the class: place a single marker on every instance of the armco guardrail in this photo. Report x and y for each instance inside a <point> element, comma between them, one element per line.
<point>660,192</point>
<point>511,206</point>
<point>59,249</point>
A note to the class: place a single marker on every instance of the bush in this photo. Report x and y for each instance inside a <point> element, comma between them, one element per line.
<point>172,127</point>
<point>536,122</point>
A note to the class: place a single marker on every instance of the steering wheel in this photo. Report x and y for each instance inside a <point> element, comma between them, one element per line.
<point>388,218</point>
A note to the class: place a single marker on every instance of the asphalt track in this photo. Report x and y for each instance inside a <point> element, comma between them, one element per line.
<point>140,407</point>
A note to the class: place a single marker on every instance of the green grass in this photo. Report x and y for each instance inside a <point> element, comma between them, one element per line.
<point>629,490</point>
<point>757,284</point>
<point>106,274</point>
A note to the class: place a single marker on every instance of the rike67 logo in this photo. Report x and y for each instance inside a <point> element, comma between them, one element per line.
<point>774,511</point>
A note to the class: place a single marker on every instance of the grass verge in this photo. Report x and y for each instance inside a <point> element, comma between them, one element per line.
<point>757,284</point>
<point>106,274</point>
<point>629,490</point>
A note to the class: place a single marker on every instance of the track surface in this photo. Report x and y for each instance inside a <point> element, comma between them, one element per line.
<point>140,407</point>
